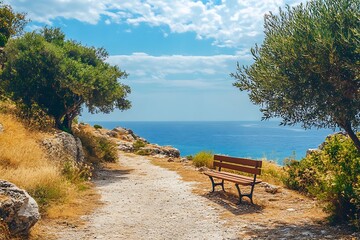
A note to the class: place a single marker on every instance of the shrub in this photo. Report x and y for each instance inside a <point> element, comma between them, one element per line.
<point>96,126</point>
<point>138,144</point>
<point>97,148</point>
<point>333,176</point>
<point>203,158</point>
<point>143,152</point>
<point>76,171</point>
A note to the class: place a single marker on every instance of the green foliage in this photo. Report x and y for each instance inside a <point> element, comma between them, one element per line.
<point>107,150</point>
<point>203,158</point>
<point>331,175</point>
<point>307,69</point>
<point>61,77</point>
<point>96,126</point>
<point>143,152</point>
<point>76,172</point>
<point>46,193</point>
<point>97,148</point>
<point>11,23</point>
<point>138,144</point>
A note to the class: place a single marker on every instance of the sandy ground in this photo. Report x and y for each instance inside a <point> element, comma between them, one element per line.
<point>145,201</point>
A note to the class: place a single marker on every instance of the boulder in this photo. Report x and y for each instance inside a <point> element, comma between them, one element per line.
<point>270,188</point>
<point>156,150</point>
<point>17,208</point>
<point>64,146</point>
<point>125,146</point>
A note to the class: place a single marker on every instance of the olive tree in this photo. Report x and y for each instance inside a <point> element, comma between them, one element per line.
<point>11,24</point>
<point>61,76</point>
<point>307,70</point>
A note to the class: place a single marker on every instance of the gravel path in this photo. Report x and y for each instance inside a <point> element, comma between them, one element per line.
<point>149,202</point>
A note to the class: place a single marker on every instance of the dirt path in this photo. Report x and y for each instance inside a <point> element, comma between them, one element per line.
<point>145,201</point>
<point>148,202</point>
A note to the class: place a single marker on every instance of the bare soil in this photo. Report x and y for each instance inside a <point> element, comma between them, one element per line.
<point>149,198</point>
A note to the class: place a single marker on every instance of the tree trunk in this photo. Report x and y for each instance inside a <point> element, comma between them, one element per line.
<point>58,123</point>
<point>352,135</point>
<point>67,123</point>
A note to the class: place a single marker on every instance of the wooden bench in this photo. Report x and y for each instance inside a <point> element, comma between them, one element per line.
<point>244,165</point>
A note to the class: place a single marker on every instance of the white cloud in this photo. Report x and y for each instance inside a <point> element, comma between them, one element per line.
<point>229,23</point>
<point>179,70</point>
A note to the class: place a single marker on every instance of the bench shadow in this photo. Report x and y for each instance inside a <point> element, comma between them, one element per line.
<point>229,202</point>
<point>104,177</point>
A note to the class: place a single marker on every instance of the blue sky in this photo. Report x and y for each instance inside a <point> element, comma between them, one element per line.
<point>178,53</point>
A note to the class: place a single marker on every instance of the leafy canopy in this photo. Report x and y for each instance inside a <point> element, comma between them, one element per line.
<point>308,68</point>
<point>61,76</point>
<point>11,23</point>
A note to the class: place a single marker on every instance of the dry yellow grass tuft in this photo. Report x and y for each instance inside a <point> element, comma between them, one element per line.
<point>24,163</point>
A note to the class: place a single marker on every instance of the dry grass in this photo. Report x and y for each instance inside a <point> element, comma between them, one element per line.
<point>24,162</point>
<point>272,173</point>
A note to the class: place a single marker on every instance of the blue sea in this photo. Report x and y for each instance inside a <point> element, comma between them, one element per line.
<point>265,139</point>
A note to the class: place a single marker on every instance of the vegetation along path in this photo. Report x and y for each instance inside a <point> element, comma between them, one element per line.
<point>145,201</point>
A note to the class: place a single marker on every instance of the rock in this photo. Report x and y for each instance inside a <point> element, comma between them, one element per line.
<point>156,150</point>
<point>17,208</point>
<point>1,128</point>
<point>64,146</point>
<point>203,169</point>
<point>125,146</point>
<point>171,160</point>
<point>120,130</point>
<point>270,188</point>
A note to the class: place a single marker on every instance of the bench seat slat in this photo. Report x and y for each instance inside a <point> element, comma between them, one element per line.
<point>240,176</point>
<point>256,171</point>
<point>232,178</point>
<point>242,161</point>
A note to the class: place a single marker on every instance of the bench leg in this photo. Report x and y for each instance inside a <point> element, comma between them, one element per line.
<point>245,195</point>
<point>216,184</point>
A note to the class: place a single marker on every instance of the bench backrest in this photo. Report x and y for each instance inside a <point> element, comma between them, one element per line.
<point>238,164</point>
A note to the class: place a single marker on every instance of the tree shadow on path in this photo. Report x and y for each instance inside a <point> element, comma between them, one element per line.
<point>108,176</point>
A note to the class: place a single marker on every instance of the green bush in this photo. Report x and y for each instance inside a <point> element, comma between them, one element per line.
<point>138,144</point>
<point>76,172</point>
<point>96,126</point>
<point>97,148</point>
<point>333,176</point>
<point>203,158</point>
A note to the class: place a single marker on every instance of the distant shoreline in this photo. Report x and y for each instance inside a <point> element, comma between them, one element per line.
<point>251,139</point>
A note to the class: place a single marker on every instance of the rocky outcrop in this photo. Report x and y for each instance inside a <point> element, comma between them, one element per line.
<point>127,141</point>
<point>17,208</point>
<point>154,150</point>
<point>64,146</point>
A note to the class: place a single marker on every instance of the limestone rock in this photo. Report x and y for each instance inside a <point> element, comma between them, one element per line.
<point>155,150</point>
<point>123,134</point>
<point>270,188</point>
<point>64,146</point>
<point>125,146</point>
<point>17,208</point>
